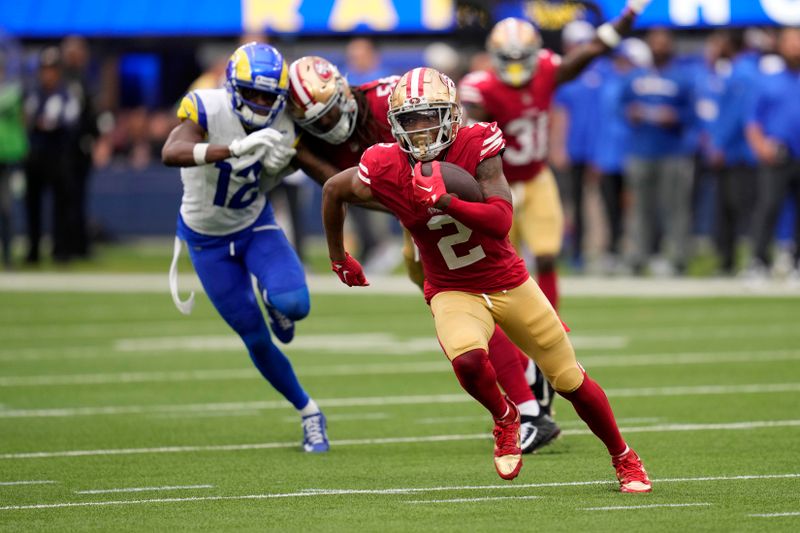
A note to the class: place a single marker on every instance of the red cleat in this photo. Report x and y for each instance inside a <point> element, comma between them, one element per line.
<point>631,473</point>
<point>507,451</point>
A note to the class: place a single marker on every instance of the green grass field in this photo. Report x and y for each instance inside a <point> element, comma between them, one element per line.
<point>101,394</point>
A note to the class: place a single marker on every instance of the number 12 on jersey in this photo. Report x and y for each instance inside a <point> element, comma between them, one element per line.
<point>240,198</point>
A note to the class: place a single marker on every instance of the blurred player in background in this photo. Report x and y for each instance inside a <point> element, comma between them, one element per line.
<point>474,279</point>
<point>343,121</point>
<point>518,93</point>
<point>234,145</point>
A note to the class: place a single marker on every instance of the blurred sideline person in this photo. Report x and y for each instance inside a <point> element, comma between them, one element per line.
<point>658,104</point>
<point>233,145</point>
<point>75,52</point>
<point>474,279</point>
<point>339,123</point>
<point>610,147</point>
<point>574,130</point>
<point>52,113</point>
<point>730,152</point>
<point>13,143</point>
<point>518,94</point>
<point>773,131</point>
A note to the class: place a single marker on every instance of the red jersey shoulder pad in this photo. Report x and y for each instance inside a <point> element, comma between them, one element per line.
<point>375,160</point>
<point>549,59</point>
<point>473,85</point>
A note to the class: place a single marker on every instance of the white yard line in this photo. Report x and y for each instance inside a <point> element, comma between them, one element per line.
<point>775,515</point>
<point>144,489</point>
<point>642,392</point>
<point>390,491</point>
<point>381,285</point>
<point>648,506</point>
<point>12,483</point>
<point>662,428</point>
<point>471,500</point>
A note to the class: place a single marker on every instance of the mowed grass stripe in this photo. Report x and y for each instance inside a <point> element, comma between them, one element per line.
<point>642,392</point>
<point>662,428</point>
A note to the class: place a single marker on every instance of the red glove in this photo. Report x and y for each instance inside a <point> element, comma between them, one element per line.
<point>428,189</point>
<point>350,272</point>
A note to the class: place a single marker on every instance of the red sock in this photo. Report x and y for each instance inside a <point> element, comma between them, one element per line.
<point>548,282</point>
<point>591,404</point>
<point>478,378</point>
<point>507,360</point>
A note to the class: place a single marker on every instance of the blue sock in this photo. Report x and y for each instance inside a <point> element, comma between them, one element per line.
<point>276,368</point>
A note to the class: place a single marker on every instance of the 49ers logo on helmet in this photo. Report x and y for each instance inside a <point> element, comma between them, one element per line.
<point>323,70</point>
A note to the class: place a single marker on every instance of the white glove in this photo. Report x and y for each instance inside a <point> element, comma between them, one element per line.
<point>277,158</point>
<point>258,140</point>
<point>637,6</point>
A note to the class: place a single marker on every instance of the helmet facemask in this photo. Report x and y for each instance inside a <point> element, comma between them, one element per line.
<point>251,113</point>
<point>515,66</point>
<point>424,132</point>
<point>335,120</point>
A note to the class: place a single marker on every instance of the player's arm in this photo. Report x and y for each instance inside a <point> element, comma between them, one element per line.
<point>608,37</point>
<point>475,112</point>
<point>179,149</point>
<point>343,188</point>
<point>492,217</point>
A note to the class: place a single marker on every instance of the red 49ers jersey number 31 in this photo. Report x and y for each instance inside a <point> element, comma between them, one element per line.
<point>522,114</point>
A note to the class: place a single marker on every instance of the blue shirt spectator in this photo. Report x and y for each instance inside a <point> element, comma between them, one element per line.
<point>735,102</point>
<point>777,109</point>
<point>610,146</point>
<point>658,104</point>
<point>580,98</point>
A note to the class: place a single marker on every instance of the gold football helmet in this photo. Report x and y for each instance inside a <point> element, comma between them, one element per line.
<point>424,113</point>
<point>514,45</point>
<point>321,101</point>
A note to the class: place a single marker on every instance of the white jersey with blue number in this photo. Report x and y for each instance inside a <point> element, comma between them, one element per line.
<point>227,196</point>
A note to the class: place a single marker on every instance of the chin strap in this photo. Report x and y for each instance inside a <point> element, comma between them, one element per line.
<point>186,306</point>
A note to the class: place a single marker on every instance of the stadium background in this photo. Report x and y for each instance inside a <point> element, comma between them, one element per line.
<point>144,56</point>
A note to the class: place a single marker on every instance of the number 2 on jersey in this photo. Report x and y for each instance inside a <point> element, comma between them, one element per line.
<point>238,200</point>
<point>447,242</point>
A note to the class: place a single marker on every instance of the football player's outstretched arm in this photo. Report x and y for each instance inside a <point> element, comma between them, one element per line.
<point>344,187</point>
<point>186,146</point>
<point>608,37</point>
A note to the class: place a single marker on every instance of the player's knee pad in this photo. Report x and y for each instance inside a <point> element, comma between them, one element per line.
<point>294,304</point>
<point>568,380</point>
<point>471,363</point>
<point>559,366</point>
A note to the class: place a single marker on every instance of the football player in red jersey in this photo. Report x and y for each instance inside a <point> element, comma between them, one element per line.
<point>517,94</point>
<point>343,122</point>
<point>474,278</point>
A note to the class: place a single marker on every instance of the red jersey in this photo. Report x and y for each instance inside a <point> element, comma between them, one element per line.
<point>522,114</point>
<point>454,256</point>
<point>372,126</point>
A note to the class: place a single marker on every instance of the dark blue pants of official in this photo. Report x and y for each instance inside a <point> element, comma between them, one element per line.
<point>225,265</point>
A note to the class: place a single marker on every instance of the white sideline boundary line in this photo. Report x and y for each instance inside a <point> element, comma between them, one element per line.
<point>661,428</point>
<point>207,408</point>
<point>13,483</point>
<point>623,287</point>
<point>775,515</point>
<point>144,489</point>
<point>392,491</point>
<point>648,506</point>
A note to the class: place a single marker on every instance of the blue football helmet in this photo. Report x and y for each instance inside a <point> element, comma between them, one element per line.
<point>257,71</point>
